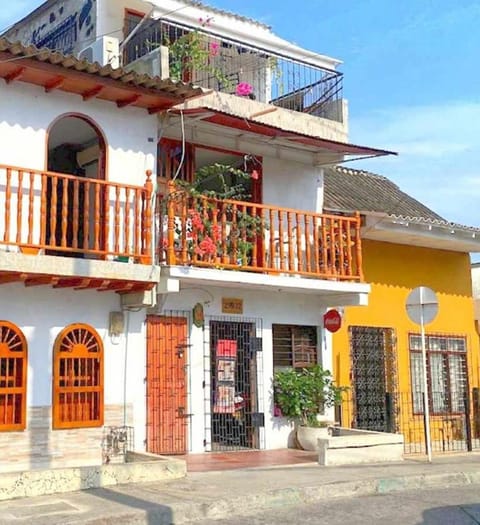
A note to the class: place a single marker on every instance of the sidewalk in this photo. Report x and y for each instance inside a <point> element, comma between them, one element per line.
<point>215,495</point>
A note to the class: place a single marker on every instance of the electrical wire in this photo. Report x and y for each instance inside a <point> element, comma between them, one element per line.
<point>182,159</point>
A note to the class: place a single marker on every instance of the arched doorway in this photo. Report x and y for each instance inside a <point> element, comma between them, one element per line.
<point>75,147</point>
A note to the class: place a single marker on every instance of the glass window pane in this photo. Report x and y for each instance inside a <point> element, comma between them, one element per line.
<point>416,373</point>
<point>438,382</point>
<point>415,342</point>
<point>458,381</point>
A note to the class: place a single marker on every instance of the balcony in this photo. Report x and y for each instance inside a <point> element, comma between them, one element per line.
<point>206,232</point>
<point>166,49</point>
<point>81,219</point>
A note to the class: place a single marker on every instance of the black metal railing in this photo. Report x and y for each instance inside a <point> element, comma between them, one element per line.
<point>454,419</point>
<point>239,68</point>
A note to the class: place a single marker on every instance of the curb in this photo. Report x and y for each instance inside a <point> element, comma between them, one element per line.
<point>245,505</point>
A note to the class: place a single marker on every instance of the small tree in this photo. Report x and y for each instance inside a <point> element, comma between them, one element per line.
<point>303,394</point>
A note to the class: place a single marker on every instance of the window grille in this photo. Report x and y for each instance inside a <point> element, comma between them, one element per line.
<point>78,378</point>
<point>446,372</point>
<point>13,377</point>
<point>294,346</point>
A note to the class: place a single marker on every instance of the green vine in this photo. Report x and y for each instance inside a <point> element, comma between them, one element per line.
<point>206,216</point>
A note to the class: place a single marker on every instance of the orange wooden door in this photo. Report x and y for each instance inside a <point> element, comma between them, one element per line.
<point>167,421</point>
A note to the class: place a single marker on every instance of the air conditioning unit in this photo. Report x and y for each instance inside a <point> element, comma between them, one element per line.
<point>105,51</point>
<point>88,155</point>
<point>137,300</point>
<point>154,64</point>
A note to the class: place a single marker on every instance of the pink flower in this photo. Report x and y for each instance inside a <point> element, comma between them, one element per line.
<point>206,247</point>
<point>214,48</point>
<point>244,89</point>
<point>255,175</point>
<point>216,232</point>
<point>205,22</point>
<point>197,223</point>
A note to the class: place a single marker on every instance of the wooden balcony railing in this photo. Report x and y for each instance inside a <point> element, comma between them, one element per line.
<point>66,214</point>
<point>202,231</point>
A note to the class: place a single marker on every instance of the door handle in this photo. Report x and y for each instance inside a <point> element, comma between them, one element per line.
<point>181,412</point>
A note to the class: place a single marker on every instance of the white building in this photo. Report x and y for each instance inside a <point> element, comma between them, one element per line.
<point>113,314</point>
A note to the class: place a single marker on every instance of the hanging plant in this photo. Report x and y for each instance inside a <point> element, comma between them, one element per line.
<point>192,52</point>
<point>216,228</point>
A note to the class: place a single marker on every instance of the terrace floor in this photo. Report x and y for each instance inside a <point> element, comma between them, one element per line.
<point>214,461</point>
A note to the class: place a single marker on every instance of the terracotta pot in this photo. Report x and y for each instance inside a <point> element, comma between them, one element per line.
<point>307,436</point>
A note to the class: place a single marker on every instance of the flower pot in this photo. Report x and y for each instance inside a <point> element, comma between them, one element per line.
<point>307,436</point>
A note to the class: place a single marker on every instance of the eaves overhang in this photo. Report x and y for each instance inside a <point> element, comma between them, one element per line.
<point>333,293</point>
<point>276,135</point>
<point>54,71</point>
<point>420,232</point>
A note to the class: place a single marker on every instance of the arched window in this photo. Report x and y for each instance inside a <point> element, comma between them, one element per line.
<point>13,377</point>
<point>78,378</point>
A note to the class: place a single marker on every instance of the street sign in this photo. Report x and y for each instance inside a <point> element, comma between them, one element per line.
<point>422,308</point>
<point>332,321</point>
<point>422,303</point>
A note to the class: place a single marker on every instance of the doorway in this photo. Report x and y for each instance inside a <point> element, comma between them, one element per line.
<point>167,379</point>
<point>74,205</point>
<point>236,386</point>
<point>374,382</point>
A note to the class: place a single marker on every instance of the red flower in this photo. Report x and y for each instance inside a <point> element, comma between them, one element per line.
<point>216,232</point>
<point>207,246</point>
<point>197,223</point>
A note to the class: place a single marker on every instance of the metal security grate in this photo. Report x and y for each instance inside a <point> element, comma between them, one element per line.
<point>374,378</point>
<point>13,377</point>
<point>116,442</point>
<point>234,385</point>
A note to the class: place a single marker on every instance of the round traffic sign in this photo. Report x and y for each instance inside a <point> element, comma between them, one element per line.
<point>332,321</point>
<point>422,305</point>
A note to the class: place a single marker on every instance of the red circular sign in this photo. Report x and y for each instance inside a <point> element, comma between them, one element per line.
<point>332,320</point>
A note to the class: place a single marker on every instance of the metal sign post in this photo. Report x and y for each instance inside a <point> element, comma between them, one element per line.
<point>422,308</point>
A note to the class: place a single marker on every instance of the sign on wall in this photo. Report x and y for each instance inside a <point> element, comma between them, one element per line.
<point>232,305</point>
<point>332,321</point>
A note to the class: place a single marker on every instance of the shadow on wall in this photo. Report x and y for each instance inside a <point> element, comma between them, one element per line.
<point>399,265</point>
<point>39,422</point>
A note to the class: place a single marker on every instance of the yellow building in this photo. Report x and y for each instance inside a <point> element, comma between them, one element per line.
<point>377,352</point>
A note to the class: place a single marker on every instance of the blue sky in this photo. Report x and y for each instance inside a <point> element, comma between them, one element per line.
<point>411,77</point>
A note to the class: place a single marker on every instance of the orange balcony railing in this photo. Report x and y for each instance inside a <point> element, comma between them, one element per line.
<point>203,231</point>
<point>66,214</point>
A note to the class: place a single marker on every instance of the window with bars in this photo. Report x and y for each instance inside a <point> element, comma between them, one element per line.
<point>294,346</point>
<point>13,377</point>
<point>446,373</point>
<point>78,378</point>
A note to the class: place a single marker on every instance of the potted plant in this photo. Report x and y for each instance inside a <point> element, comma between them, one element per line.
<point>302,396</point>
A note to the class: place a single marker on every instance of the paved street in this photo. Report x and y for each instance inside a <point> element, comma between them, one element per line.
<point>458,506</point>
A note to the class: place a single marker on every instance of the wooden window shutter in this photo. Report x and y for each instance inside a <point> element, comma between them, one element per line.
<point>13,377</point>
<point>78,378</point>
<point>294,345</point>
<point>304,344</point>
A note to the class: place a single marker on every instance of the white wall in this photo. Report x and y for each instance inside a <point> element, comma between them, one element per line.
<point>42,313</point>
<point>292,184</point>
<point>270,308</point>
<point>24,133</point>
<point>287,182</point>
<point>76,17</point>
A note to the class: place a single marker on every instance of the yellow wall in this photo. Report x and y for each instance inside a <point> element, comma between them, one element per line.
<point>393,270</point>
